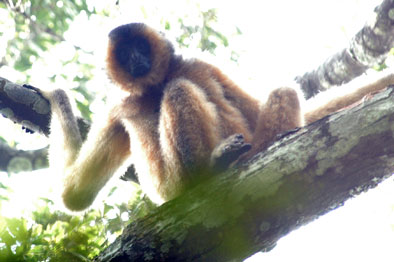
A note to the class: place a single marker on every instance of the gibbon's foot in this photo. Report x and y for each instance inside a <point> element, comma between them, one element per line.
<point>27,130</point>
<point>228,151</point>
<point>31,87</point>
<point>36,90</point>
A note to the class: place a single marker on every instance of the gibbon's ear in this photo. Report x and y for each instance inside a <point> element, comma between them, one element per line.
<point>138,57</point>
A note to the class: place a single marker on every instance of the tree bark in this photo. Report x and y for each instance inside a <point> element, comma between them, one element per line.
<point>247,209</point>
<point>24,106</point>
<point>368,48</point>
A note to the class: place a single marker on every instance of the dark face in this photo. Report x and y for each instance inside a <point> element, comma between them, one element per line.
<point>138,54</point>
<point>134,55</point>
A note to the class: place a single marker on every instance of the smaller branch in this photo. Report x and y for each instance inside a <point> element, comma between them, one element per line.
<point>369,47</point>
<point>10,4</point>
<point>14,161</point>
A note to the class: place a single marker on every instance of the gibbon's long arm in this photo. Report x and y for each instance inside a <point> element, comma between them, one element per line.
<point>86,167</point>
<point>341,102</point>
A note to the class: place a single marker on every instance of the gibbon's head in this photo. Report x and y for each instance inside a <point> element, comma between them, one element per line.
<point>138,56</point>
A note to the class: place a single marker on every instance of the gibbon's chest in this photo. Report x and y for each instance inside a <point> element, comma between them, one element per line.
<point>142,116</point>
<point>146,106</point>
<point>142,125</point>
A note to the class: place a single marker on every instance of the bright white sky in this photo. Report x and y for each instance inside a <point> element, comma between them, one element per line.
<point>281,39</point>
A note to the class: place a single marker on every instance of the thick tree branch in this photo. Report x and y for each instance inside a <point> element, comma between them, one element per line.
<point>369,47</point>
<point>28,108</point>
<point>24,106</point>
<point>248,209</point>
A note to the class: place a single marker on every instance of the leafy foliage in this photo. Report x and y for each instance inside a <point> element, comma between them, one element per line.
<point>56,236</point>
<point>37,30</point>
<point>209,37</point>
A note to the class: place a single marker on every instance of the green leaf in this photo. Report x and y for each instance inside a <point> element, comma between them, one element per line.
<point>2,186</point>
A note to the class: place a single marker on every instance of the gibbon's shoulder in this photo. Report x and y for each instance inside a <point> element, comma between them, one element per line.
<point>192,68</point>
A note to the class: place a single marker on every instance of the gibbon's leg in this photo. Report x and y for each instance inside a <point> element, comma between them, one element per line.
<point>189,131</point>
<point>87,166</point>
<point>280,113</point>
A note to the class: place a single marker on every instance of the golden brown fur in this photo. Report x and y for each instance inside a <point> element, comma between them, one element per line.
<point>344,101</point>
<point>169,124</point>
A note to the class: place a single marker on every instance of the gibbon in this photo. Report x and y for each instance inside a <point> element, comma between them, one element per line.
<point>175,116</point>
